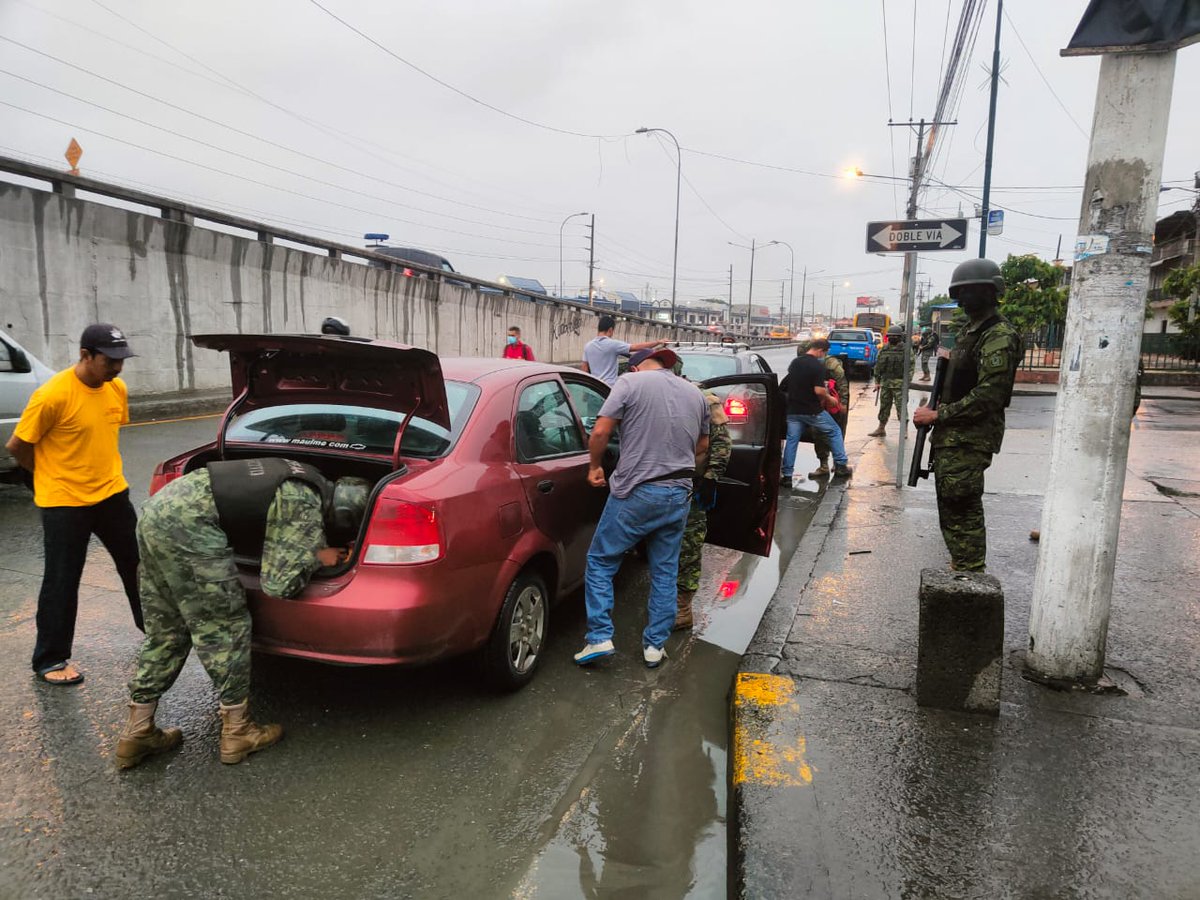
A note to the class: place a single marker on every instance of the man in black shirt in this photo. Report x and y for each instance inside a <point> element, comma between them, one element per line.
<point>808,402</point>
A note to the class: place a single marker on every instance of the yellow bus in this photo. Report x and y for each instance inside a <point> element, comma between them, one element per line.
<point>779,331</point>
<point>878,321</point>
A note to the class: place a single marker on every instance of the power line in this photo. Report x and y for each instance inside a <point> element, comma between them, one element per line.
<point>887,71</point>
<point>496,109</point>
<point>1042,75</point>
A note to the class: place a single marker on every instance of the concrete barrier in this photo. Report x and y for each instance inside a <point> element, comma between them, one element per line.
<point>960,641</point>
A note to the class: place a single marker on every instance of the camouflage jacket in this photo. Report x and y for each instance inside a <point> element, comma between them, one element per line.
<point>890,364</point>
<point>720,445</point>
<point>979,383</point>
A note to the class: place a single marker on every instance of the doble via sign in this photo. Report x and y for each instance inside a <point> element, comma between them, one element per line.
<point>920,235</point>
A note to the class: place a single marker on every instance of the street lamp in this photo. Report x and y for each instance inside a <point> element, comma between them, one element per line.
<point>791,280</point>
<point>750,296</point>
<point>560,252</point>
<point>678,182</point>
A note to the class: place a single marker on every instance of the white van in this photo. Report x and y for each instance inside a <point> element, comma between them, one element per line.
<point>21,373</point>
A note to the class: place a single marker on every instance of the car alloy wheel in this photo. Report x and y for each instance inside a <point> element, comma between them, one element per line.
<point>515,649</point>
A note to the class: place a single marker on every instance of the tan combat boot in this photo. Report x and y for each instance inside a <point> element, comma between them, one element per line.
<point>141,737</point>
<point>878,432</point>
<point>683,611</point>
<point>240,737</point>
<point>822,469</point>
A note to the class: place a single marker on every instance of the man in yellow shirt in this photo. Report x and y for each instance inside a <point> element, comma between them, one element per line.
<point>67,438</point>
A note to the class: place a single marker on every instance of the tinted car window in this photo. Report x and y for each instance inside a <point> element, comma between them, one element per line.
<point>359,429</point>
<point>587,400</point>
<point>545,425</point>
<point>702,366</point>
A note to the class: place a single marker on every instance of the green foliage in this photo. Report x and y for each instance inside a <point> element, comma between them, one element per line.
<point>1184,286</point>
<point>1033,297</point>
<point>925,310</point>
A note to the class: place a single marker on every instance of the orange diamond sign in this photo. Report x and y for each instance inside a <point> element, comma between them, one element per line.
<point>73,155</point>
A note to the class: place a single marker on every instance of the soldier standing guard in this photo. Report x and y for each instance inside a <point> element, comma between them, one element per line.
<point>927,347</point>
<point>191,595</point>
<point>968,425</point>
<point>889,379</point>
<point>704,496</point>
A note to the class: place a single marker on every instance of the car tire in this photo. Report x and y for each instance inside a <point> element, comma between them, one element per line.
<point>518,641</point>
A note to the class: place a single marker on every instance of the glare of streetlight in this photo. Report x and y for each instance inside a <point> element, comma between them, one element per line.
<point>852,172</point>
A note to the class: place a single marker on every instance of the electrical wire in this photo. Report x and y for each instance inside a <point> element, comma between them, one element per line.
<point>1042,75</point>
<point>887,71</point>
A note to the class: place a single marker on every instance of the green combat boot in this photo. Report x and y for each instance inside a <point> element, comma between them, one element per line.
<point>142,738</point>
<point>683,611</point>
<point>240,737</point>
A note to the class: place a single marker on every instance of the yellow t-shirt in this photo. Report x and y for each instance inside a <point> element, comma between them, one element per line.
<point>74,431</point>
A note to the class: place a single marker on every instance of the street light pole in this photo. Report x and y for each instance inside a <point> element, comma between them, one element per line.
<point>678,183</point>
<point>560,249</point>
<point>803,286</point>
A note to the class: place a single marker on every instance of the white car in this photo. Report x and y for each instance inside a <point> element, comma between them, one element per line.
<point>21,373</point>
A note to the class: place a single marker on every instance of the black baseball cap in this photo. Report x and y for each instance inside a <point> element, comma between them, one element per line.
<point>106,339</point>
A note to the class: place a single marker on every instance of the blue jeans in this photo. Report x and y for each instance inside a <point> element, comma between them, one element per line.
<point>656,513</point>
<point>822,423</point>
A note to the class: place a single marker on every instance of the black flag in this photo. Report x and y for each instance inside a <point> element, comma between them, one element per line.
<point>1135,26</point>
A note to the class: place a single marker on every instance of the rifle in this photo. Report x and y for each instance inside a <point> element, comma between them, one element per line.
<point>915,471</point>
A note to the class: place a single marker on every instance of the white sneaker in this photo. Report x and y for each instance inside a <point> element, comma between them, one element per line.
<point>653,656</point>
<point>592,652</point>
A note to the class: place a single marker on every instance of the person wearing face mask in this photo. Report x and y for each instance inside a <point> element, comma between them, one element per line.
<point>968,425</point>
<point>514,348</point>
<point>808,407</point>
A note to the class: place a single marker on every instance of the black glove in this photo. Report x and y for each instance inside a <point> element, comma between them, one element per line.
<point>704,493</point>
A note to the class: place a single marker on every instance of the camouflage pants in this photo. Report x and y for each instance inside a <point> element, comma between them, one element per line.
<point>691,549</point>
<point>925,362</point>
<point>191,596</point>
<point>958,476</point>
<point>889,396</point>
<point>821,446</point>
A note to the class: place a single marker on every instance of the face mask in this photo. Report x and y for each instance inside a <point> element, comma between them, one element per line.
<point>512,339</point>
<point>975,307</point>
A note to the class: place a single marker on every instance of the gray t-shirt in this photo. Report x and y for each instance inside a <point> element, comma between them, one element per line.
<point>600,353</point>
<point>662,419</point>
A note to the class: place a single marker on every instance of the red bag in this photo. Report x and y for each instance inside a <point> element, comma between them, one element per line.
<point>831,386</point>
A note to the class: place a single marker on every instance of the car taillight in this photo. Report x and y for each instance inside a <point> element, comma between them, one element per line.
<point>164,473</point>
<point>402,534</point>
<point>735,409</point>
<point>408,273</point>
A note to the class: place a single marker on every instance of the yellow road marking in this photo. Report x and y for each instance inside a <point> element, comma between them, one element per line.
<point>170,421</point>
<point>758,758</point>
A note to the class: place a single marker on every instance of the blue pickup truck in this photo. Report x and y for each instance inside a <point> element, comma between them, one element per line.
<point>855,347</point>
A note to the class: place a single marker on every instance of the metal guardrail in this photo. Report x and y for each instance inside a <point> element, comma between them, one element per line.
<point>172,210</point>
<point>1160,352</point>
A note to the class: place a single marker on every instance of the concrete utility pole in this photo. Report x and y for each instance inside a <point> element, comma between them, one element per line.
<point>731,296</point>
<point>906,300</point>
<point>1072,590</point>
<point>803,288</point>
<point>591,258</point>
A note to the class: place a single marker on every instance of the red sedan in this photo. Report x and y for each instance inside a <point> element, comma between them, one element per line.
<point>480,513</point>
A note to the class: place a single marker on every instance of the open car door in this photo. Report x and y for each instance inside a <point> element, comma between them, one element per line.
<point>748,492</point>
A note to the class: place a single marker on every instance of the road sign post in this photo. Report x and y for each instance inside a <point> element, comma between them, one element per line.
<point>917,236</point>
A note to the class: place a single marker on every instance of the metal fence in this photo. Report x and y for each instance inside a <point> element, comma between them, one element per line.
<point>1160,352</point>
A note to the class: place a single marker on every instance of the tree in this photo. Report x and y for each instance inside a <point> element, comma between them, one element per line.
<point>1033,298</point>
<point>925,310</point>
<point>1184,286</point>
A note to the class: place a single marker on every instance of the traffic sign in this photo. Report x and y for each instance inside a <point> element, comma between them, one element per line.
<point>995,221</point>
<point>920,235</point>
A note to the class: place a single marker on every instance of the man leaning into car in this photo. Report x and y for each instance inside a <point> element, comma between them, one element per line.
<point>664,436</point>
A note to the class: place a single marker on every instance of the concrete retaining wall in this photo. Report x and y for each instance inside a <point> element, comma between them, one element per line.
<point>65,262</point>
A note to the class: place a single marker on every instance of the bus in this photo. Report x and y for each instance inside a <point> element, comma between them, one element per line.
<point>878,321</point>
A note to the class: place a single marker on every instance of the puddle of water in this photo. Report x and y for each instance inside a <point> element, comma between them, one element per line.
<point>651,819</point>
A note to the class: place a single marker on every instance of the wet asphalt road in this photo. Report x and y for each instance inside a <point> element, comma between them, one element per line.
<point>389,782</point>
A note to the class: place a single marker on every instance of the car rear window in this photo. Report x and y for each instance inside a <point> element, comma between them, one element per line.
<point>848,336</point>
<point>357,429</point>
<point>702,366</point>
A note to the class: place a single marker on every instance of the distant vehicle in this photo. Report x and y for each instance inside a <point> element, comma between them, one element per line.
<point>779,333</point>
<point>876,321</point>
<point>806,334</point>
<point>855,347</point>
<point>412,255</point>
<point>21,373</point>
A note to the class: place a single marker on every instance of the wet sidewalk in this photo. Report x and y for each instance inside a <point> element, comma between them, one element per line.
<point>843,787</point>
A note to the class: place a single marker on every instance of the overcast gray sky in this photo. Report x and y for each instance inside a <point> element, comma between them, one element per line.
<point>308,124</point>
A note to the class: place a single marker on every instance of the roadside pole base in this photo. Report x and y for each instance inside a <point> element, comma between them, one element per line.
<point>961,641</point>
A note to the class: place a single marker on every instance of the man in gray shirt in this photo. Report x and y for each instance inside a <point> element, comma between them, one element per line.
<point>664,432</point>
<point>601,352</point>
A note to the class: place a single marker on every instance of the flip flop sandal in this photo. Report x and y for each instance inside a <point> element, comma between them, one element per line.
<point>60,682</point>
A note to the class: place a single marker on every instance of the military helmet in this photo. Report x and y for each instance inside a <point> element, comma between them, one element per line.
<point>346,510</point>
<point>977,271</point>
<point>897,330</point>
<point>335,325</point>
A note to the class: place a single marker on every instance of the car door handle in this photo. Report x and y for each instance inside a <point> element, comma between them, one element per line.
<point>545,486</point>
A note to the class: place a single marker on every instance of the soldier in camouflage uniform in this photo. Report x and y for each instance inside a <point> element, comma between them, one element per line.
<point>720,448</point>
<point>889,379</point>
<point>837,372</point>
<point>191,595</point>
<point>968,425</point>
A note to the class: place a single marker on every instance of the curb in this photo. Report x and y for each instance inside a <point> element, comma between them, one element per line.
<point>769,778</point>
<point>156,407</point>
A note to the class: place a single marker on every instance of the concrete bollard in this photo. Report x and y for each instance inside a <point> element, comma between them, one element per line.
<point>961,641</point>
